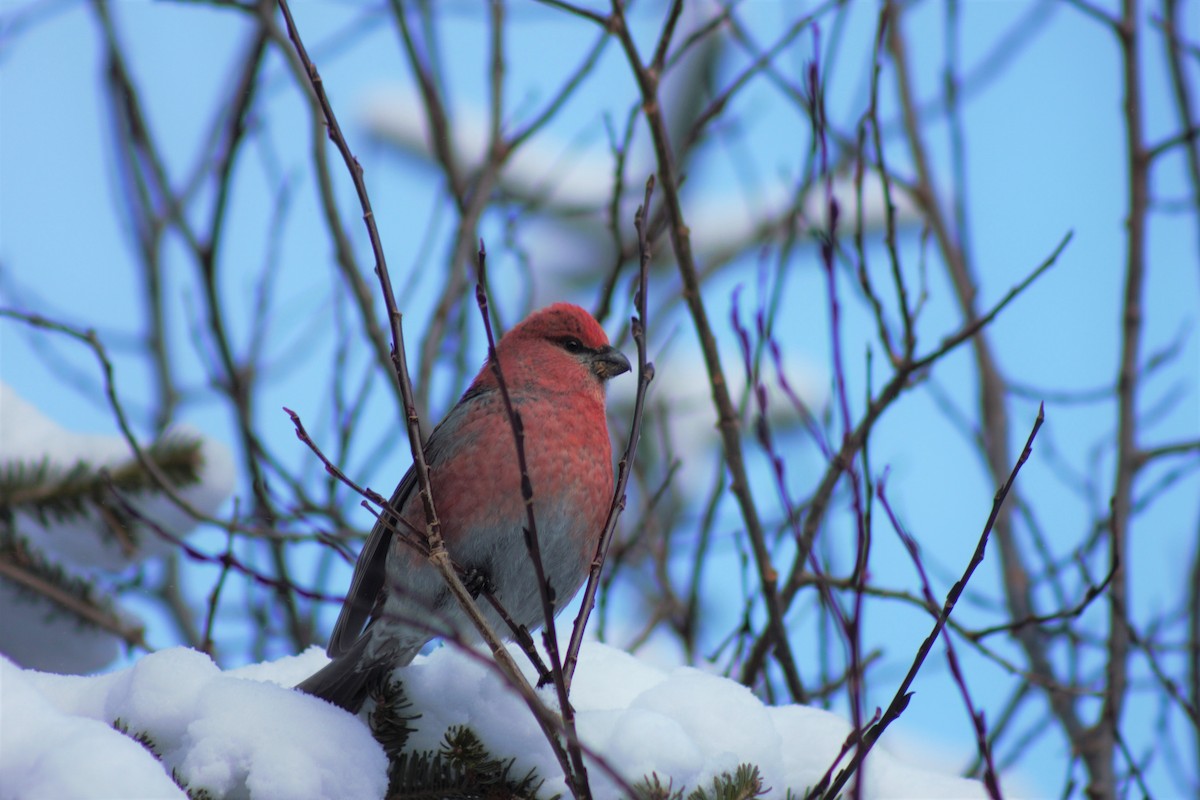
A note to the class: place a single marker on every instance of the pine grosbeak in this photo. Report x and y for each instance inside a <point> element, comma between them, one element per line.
<point>555,364</point>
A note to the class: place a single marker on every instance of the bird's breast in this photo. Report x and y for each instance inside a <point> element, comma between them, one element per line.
<point>477,482</point>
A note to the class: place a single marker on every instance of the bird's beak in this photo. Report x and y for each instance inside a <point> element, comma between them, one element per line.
<point>608,362</point>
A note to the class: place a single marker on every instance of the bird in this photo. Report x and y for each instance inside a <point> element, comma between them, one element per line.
<point>556,364</point>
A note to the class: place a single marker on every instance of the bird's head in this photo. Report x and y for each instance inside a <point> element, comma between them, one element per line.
<point>561,341</point>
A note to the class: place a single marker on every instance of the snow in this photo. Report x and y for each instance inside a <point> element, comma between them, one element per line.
<point>237,737</point>
<point>48,753</point>
<point>243,734</point>
<point>36,633</point>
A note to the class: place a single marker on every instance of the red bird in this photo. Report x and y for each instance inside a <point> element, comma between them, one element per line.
<point>555,364</point>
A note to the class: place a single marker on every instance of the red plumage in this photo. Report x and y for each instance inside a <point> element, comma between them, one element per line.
<point>555,364</point>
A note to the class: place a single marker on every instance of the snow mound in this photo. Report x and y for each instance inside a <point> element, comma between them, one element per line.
<point>683,724</point>
<point>233,736</point>
<point>244,734</point>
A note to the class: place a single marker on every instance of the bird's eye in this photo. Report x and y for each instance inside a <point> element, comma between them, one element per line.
<point>572,345</point>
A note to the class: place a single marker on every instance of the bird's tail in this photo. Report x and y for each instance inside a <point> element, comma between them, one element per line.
<point>347,680</point>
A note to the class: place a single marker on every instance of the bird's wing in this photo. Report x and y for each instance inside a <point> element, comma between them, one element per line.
<point>371,568</point>
<point>369,575</point>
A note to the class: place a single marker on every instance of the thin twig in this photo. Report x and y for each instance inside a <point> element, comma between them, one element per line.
<point>727,416</point>
<point>548,722</point>
<point>578,776</point>
<point>625,466</point>
<point>902,696</point>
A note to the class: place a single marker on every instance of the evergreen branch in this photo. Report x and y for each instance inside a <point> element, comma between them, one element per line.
<point>461,768</point>
<point>145,740</point>
<point>745,783</point>
<point>389,721</point>
<point>141,737</point>
<point>47,491</point>
<point>30,572</point>
<point>89,338</point>
<point>462,748</point>
<point>651,788</point>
